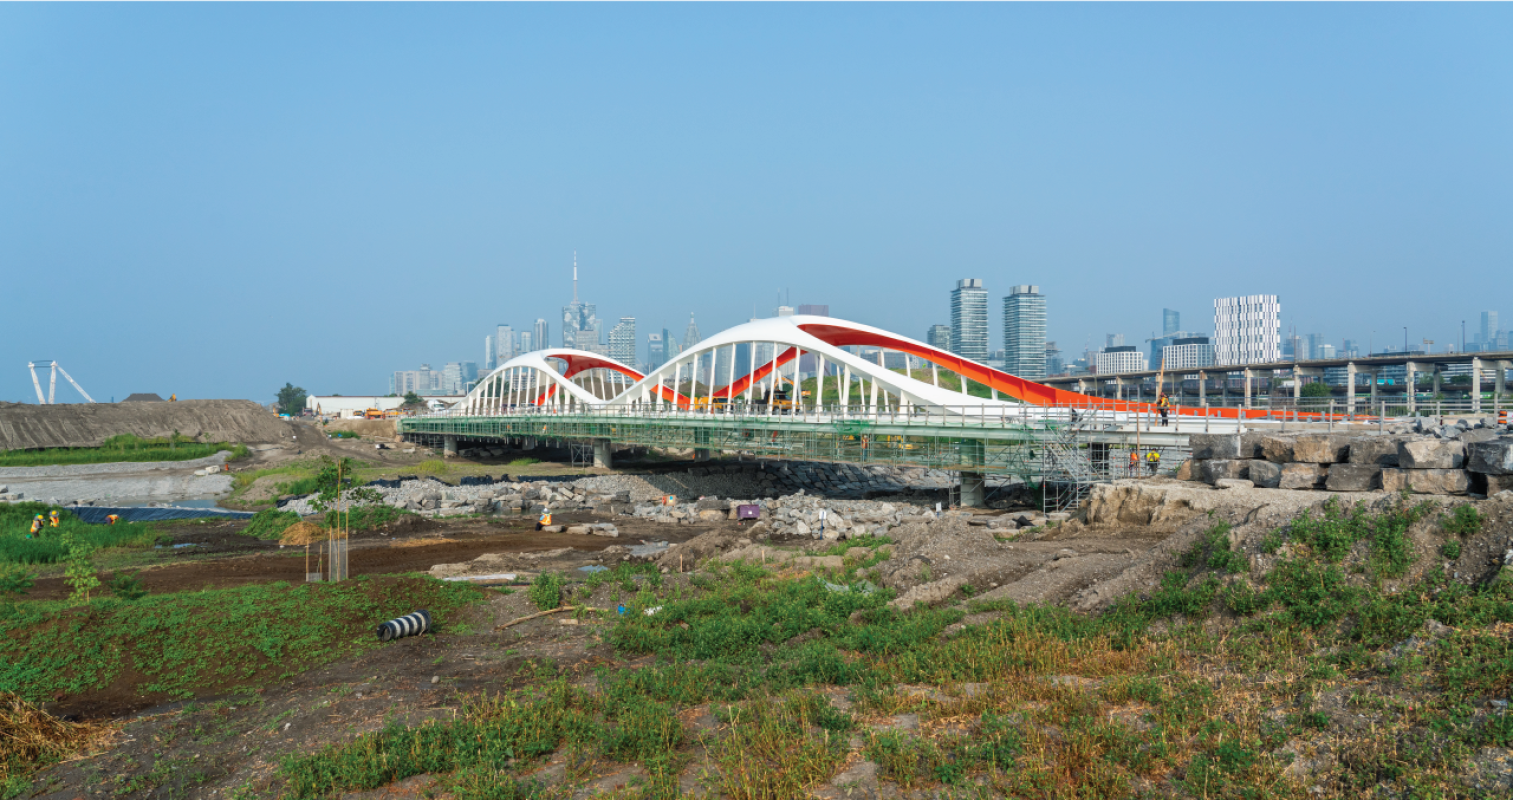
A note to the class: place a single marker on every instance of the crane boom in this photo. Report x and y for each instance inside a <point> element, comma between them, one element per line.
<point>75,383</point>
<point>32,365</point>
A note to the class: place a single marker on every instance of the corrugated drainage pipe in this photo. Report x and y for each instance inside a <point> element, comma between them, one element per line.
<point>407,625</point>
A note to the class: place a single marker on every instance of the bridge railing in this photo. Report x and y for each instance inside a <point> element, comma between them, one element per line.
<point>1089,416</point>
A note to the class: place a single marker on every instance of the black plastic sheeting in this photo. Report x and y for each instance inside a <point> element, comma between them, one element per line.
<point>96,515</point>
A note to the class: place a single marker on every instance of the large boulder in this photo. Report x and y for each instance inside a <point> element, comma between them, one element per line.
<point>1379,450</point>
<point>1215,469</point>
<point>1490,485</point>
<point>1278,449</point>
<point>1215,446</point>
<point>1491,458</point>
<point>1321,448</point>
<point>1251,444</point>
<point>1426,481</point>
<point>1266,474</point>
<point>1431,454</point>
<point>1353,478</point>
<point>1302,476</point>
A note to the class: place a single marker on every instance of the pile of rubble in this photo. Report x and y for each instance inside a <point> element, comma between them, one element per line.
<point>1466,457</point>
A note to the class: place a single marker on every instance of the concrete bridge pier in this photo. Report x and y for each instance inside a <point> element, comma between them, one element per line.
<point>973,490</point>
<point>603,456</point>
<point>448,446</point>
<point>701,453</point>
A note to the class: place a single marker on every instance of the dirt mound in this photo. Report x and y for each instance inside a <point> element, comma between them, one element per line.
<point>24,426</point>
<point>380,429</point>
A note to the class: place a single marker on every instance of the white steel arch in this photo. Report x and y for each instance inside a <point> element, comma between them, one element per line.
<point>775,349</point>
<point>534,380</point>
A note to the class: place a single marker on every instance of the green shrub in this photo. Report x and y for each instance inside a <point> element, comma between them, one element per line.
<point>270,523</point>
<point>1450,550</point>
<point>1464,521</point>
<point>127,586</point>
<point>344,434</point>
<point>546,590</point>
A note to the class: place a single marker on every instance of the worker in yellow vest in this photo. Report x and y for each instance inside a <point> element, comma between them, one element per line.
<point>1153,458</point>
<point>52,519</point>
<point>36,526</point>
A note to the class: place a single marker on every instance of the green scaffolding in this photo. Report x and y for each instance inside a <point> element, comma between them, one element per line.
<point>1040,453</point>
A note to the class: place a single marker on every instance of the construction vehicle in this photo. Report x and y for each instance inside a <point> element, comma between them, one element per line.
<point>373,413</point>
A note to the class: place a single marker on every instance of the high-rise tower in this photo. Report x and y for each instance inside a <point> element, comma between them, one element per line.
<point>969,319</point>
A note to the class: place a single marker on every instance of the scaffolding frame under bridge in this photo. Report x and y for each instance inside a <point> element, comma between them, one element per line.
<point>1047,452</point>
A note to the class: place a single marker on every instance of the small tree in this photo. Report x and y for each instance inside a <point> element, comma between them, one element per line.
<point>412,399</point>
<point>78,571</point>
<point>291,399</point>
<point>1316,389</point>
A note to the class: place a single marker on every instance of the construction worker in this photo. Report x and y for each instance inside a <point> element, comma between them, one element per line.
<point>1134,464</point>
<point>112,519</point>
<point>1164,404</point>
<point>544,520</point>
<point>36,526</point>
<point>1153,458</point>
<point>52,519</point>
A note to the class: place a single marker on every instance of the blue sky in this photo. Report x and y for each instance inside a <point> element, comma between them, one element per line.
<point>214,199</point>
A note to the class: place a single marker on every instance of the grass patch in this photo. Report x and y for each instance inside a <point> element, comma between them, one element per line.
<point>1153,692</point>
<point>270,523</point>
<point>18,546</point>
<point>368,517</point>
<point>214,640</point>
<point>124,447</point>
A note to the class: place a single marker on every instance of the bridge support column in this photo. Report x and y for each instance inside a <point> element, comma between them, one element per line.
<point>1350,387</point>
<point>701,437</point>
<point>1500,379</point>
<point>973,490</point>
<point>1203,389</point>
<point>1475,385</point>
<point>448,446</point>
<point>1247,388</point>
<point>603,456</point>
<point>1410,389</point>
<point>1097,453</point>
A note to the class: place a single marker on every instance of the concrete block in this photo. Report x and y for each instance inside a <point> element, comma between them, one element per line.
<point>1250,444</point>
<point>1321,448</point>
<point>1431,454</point>
<point>1233,483</point>
<point>1491,458</point>
<point>1278,449</point>
<point>1353,478</point>
<point>1266,474</point>
<point>1489,485</point>
<point>1214,470</point>
<point>1379,450</point>
<point>1215,446</point>
<point>1426,481</point>
<point>1302,476</point>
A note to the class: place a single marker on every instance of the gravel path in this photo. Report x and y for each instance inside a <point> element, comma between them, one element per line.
<point>58,471</point>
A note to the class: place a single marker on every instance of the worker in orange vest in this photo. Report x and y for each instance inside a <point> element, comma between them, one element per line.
<point>111,519</point>
<point>52,519</point>
<point>544,520</point>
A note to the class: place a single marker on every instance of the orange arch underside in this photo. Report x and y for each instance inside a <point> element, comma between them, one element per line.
<point>1018,388</point>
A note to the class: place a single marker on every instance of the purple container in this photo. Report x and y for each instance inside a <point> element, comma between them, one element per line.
<point>748,512</point>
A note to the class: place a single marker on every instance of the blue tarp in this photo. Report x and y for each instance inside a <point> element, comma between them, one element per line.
<point>96,515</point>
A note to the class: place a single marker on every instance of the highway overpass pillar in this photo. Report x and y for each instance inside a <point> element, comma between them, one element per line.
<point>1475,384</point>
<point>1410,381</point>
<point>448,446</point>
<point>603,456</point>
<point>1350,387</point>
<point>973,491</point>
<point>1203,389</point>
<point>701,451</point>
<point>1247,388</point>
<point>1500,382</point>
